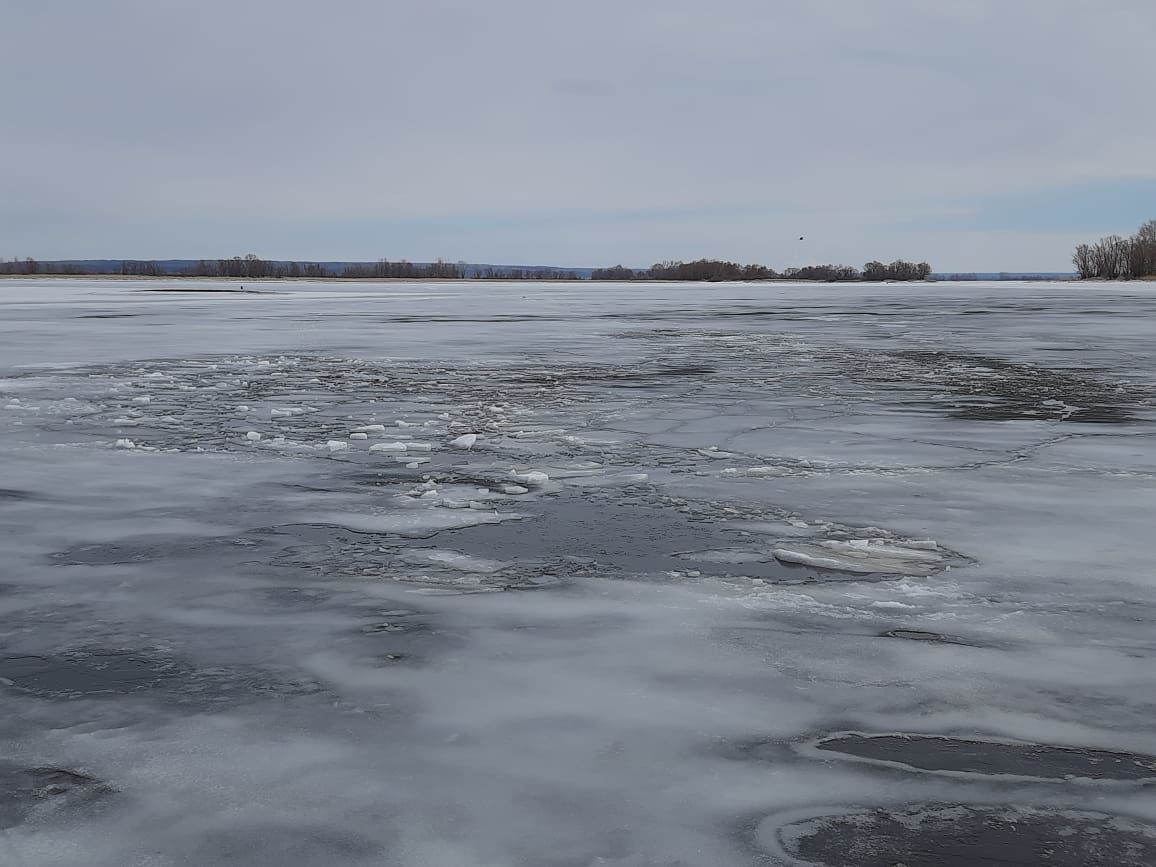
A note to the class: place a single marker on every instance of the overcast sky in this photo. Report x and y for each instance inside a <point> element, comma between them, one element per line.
<point>975,134</point>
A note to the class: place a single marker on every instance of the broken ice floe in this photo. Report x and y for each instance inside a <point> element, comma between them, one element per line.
<point>532,479</point>
<point>416,524</point>
<point>865,556</point>
<point>455,560</point>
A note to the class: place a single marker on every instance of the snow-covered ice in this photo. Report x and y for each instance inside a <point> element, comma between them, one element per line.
<point>745,574</point>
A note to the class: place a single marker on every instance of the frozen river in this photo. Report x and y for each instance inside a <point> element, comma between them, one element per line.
<point>565,575</point>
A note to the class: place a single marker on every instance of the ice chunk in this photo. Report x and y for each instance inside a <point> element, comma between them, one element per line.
<point>455,560</point>
<point>358,436</point>
<point>725,555</point>
<point>125,444</point>
<point>514,489</point>
<point>387,447</point>
<point>533,478</point>
<point>142,399</point>
<point>253,436</point>
<point>465,441</point>
<point>418,447</point>
<point>862,556</point>
<point>337,445</point>
<point>416,523</point>
<point>370,428</point>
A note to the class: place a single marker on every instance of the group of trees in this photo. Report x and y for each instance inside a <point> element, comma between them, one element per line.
<point>493,273</point>
<point>897,270</point>
<point>383,269</point>
<point>1116,258</point>
<point>701,269</point>
<point>825,273</point>
<point>23,266</point>
<point>713,269</point>
<point>253,267</point>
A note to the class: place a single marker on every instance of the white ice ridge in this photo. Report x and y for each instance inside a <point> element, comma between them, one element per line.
<point>865,555</point>
<point>415,523</point>
<point>401,447</point>
<point>455,560</point>
<point>533,478</point>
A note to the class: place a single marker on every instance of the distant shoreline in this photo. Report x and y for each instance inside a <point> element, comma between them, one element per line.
<point>239,281</point>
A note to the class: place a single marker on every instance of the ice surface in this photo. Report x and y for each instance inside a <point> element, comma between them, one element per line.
<point>215,653</point>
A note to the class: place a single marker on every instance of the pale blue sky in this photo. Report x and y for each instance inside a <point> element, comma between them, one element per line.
<point>976,134</point>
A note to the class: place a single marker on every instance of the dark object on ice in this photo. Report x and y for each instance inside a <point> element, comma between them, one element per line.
<point>935,835</point>
<point>973,756</point>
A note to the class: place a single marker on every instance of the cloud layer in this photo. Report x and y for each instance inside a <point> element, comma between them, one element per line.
<point>575,133</point>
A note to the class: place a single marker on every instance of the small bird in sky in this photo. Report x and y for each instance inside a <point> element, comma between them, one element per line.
<point>800,237</point>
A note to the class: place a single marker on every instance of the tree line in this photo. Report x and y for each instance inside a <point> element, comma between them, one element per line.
<point>1116,258</point>
<point>253,267</point>
<point>249,266</point>
<point>525,274</point>
<point>715,269</point>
